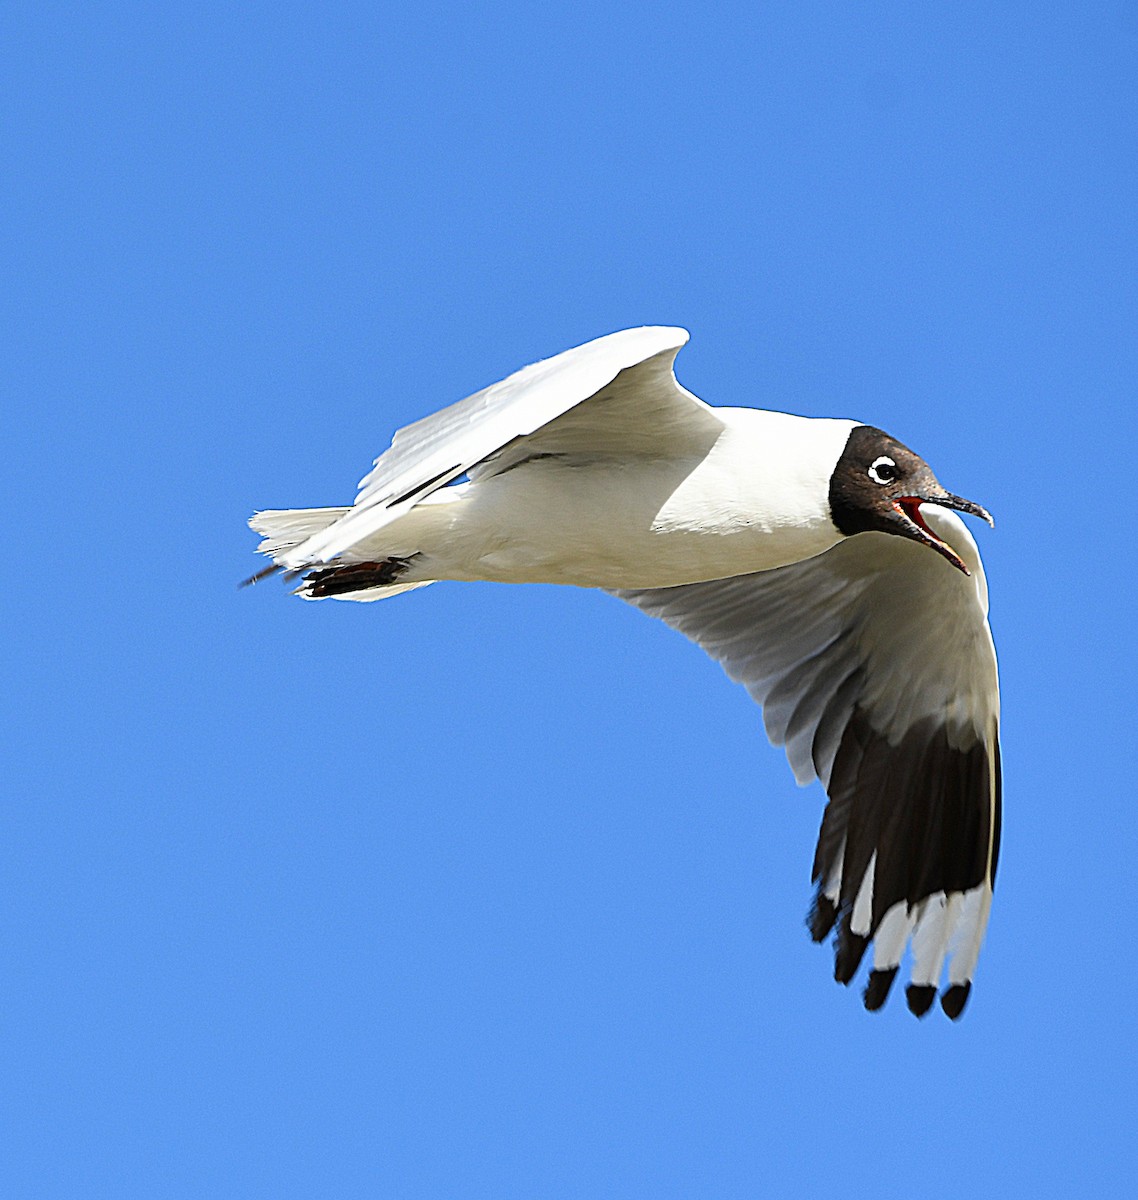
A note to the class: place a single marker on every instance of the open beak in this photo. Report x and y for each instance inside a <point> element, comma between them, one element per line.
<point>908,508</point>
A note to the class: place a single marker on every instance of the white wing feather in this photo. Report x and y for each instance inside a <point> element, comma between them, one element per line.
<point>430,453</point>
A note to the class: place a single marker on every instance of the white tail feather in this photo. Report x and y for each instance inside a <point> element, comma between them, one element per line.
<point>283,528</point>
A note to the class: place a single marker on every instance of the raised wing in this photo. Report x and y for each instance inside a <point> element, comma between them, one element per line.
<point>634,401</point>
<point>875,668</point>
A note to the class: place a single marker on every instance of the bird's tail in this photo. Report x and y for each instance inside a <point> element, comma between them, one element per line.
<point>282,529</point>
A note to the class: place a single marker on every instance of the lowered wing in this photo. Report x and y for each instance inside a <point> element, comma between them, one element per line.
<point>876,670</point>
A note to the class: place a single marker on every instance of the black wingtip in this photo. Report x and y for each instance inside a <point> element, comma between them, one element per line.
<point>877,989</point>
<point>920,997</point>
<point>820,920</point>
<point>271,569</point>
<point>851,947</point>
<point>955,998</point>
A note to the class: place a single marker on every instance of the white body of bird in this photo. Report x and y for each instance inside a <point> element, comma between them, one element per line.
<point>755,500</point>
<point>767,539</point>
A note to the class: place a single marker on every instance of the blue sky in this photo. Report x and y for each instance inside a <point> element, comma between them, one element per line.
<point>500,892</point>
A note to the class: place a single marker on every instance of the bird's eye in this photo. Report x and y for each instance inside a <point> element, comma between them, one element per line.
<point>883,470</point>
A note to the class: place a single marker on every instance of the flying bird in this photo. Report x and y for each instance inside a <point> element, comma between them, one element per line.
<point>818,561</point>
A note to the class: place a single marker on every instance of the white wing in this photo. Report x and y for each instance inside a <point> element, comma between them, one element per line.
<point>635,401</point>
<point>875,668</point>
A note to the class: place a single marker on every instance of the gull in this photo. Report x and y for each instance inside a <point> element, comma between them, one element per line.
<point>818,561</point>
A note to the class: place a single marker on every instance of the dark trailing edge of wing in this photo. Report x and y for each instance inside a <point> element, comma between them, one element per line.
<point>955,998</point>
<point>920,997</point>
<point>422,488</point>
<point>922,811</point>
<point>851,948</point>
<point>264,573</point>
<point>821,918</point>
<point>877,989</point>
<point>353,577</point>
<point>923,807</point>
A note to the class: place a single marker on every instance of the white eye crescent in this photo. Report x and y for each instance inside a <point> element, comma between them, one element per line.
<point>883,470</point>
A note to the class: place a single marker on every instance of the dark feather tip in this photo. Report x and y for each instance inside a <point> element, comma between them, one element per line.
<point>920,997</point>
<point>877,989</point>
<point>271,569</point>
<point>821,918</point>
<point>954,1000</point>
<point>851,947</point>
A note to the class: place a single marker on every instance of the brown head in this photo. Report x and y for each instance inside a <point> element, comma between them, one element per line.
<point>879,485</point>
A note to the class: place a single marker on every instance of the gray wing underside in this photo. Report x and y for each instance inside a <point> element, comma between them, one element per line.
<point>877,622</point>
<point>614,395</point>
<point>875,669</point>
